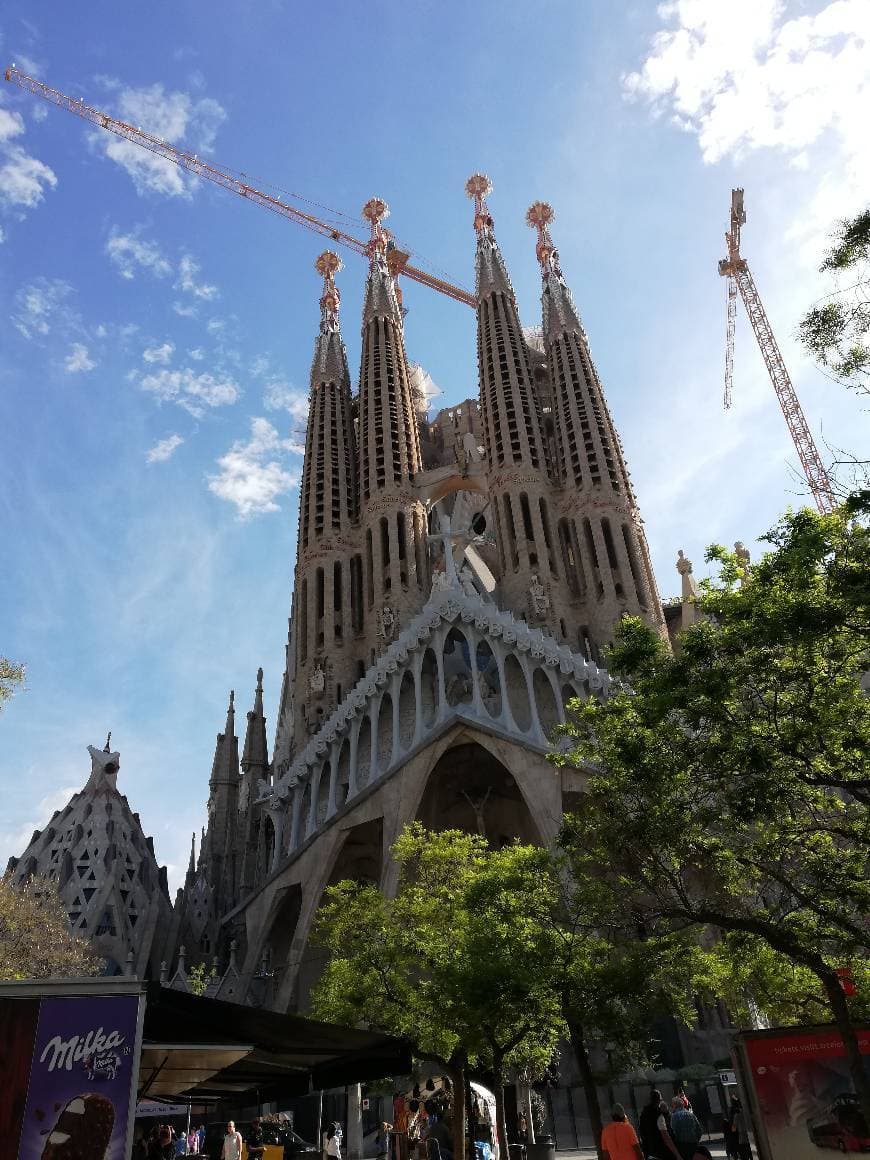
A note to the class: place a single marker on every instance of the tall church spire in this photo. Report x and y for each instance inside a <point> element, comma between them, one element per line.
<point>255,755</point>
<point>328,578</point>
<point>516,454</point>
<point>392,519</point>
<point>604,549</point>
<point>389,441</point>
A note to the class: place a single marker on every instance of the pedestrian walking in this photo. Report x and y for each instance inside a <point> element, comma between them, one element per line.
<point>685,1127</point>
<point>618,1138</point>
<point>256,1141</point>
<point>332,1143</point>
<point>655,1135</point>
<point>231,1149</point>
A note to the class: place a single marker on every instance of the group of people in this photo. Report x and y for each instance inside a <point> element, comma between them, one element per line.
<point>164,1143</point>
<point>664,1133</point>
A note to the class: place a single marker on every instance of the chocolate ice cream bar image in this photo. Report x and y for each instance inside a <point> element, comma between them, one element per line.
<point>83,1130</point>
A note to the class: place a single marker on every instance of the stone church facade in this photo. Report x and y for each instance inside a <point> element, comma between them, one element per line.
<point>96,855</point>
<point>455,583</point>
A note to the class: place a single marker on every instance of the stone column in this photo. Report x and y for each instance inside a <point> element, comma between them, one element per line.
<point>354,1136</point>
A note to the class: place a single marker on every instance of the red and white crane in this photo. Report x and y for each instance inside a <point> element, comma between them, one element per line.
<point>235,183</point>
<point>736,269</point>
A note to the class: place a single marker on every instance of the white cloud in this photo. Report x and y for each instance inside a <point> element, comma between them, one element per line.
<point>251,474</point>
<point>131,254</point>
<point>159,354</point>
<point>197,354</point>
<point>40,305</point>
<point>171,116</point>
<point>164,449</point>
<point>187,272</point>
<point>2,236</point>
<point>742,77</point>
<point>18,840</point>
<point>79,359</point>
<point>194,392</point>
<point>281,396</point>
<point>23,178</point>
<point>184,310</point>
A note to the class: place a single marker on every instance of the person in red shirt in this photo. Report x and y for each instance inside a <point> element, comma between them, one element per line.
<point>618,1139</point>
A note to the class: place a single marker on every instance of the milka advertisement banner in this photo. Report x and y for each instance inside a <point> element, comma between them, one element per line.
<point>81,1076</point>
<point>805,1094</point>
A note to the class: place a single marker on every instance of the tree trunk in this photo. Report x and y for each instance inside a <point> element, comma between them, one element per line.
<point>457,1078</point>
<point>840,1011</point>
<point>578,1042</point>
<point>500,1119</point>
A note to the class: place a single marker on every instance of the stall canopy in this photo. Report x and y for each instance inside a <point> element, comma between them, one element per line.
<point>208,1049</point>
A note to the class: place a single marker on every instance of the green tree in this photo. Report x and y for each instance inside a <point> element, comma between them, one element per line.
<point>728,786</point>
<point>35,938</point>
<point>199,978</point>
<point>442,973</point>
<point>11,675</point>
<point>837,331</point>
<point>610,986</point>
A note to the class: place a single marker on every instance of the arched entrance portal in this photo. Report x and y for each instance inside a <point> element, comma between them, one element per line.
<point>360,860</point>
<point>469,789</point>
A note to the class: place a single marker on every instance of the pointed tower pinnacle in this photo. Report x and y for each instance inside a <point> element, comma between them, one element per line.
<point>491,272</point>
<point>381,297</point>
<point>559,311</point>
<point>328,508</point>
<point>254,755</point>
<point>225,767</point>
<point>605,554</point>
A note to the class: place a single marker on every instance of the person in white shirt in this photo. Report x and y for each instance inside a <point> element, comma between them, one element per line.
<point>232,1146</point>
<point>332,1143</point>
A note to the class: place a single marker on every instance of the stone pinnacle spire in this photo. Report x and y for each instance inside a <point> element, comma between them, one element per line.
<point>330,357</point>
<point>559,311</point>
<point>389,440</point>
<point>605,554</point>
<point>254,754</point>
<point>491,274</point>
<point>225,767</point>
<point>381,299</point>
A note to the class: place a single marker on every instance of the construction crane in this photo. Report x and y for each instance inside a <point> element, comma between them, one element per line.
<point>736,269</point>
<point>235,183</point>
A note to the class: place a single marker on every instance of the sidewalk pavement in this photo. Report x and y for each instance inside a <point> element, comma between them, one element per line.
<point>714,1143</point>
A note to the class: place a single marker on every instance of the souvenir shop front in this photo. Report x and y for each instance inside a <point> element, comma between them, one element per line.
<point>424,1111</point>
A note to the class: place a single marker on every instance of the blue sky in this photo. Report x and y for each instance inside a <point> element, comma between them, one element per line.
<point>157,332</point>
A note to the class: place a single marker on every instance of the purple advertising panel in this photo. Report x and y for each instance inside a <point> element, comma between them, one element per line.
<point>804,1092</point>
<point>81,1079</point>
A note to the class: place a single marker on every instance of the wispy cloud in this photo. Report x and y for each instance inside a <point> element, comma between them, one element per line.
<point>741,78</point>
<point>251,474</point>
<point>188,269</point>
<point>281,396</point>
<point>40,305</point>
<point>159,354</point>
<point>194,392</point>
<point>23,178</point>
<point>172,116</point>
<point>132,254</point>
<point>78,359</point>
<point>164,449</point>
<point>19,839</point>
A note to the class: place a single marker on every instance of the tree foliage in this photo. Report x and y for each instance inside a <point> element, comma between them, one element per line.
<point>837,332</point>
<point>11,676</point>
<point>35,938</point>
<point>610,990</point>
<point>427,965</point>
<point>729,784</point>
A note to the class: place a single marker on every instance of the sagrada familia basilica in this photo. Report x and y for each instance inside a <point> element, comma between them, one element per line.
<point>456,580</point>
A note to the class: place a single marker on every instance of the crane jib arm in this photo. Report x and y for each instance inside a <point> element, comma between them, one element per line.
<point>224,178</point>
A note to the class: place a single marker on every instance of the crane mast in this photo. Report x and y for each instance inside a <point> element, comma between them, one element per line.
<point>397,258</point>
<point>736,269</point>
